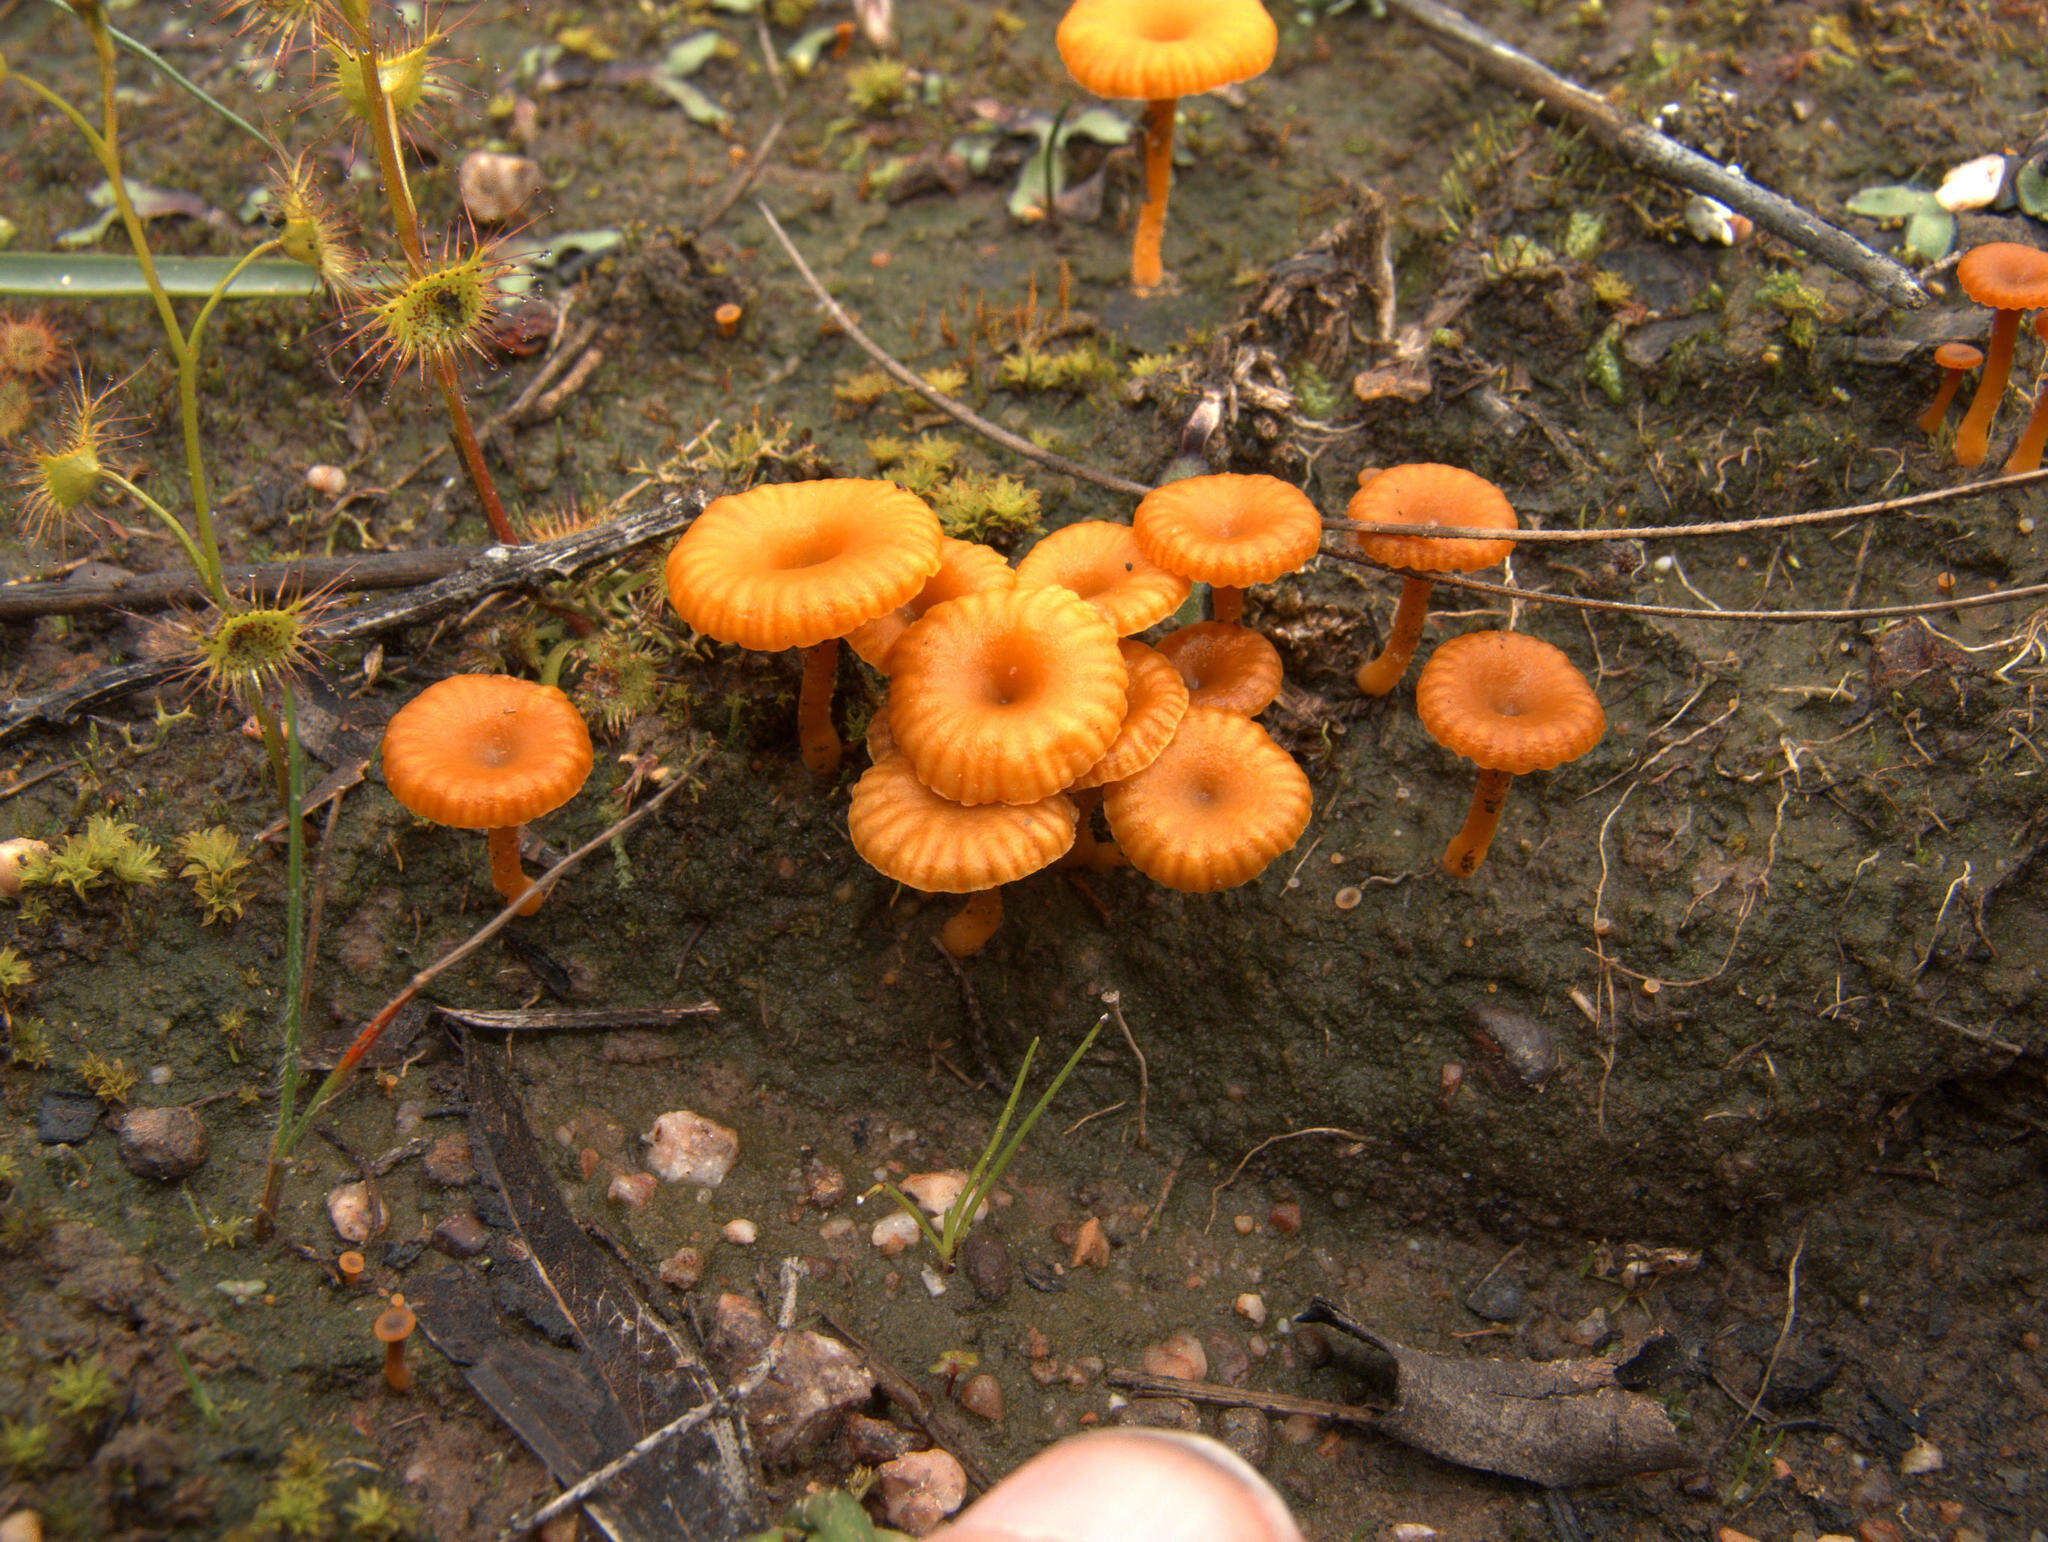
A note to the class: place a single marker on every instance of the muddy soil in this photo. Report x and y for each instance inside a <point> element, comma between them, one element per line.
<point>1758,981</point>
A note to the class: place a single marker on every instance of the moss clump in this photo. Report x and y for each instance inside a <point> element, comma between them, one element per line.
<point>110,1080</point>
<point>14,972</point>
<point>863,390</point>
<point>108,850</point>
<point>987,508</point>
<point>375,1514</point>
<point>1071,369</point>
<point>885,450</point>
<point>79,1388</point>
<point>298,1503</point>
<point>879,88</point>
<point>28,1042</point>
<point>214,858</point>
<point>24,1445</point>
<point>927,464</point>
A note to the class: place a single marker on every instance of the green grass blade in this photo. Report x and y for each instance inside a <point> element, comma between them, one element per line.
<point>114,276</point>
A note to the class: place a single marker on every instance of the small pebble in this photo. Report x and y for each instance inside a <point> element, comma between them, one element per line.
<point>1161,1413</point>
<point>684,1147</point>
<point>740,1233</point>
<point>352,1213</point>
<point>461,1235</point>
<point>448,1162</point>
<point>683,1268</point>
<point>1091,1246</point>
<point>824,1185</point>
<point>982,1396</point>
<point>1922,1456</point>
<point>1285,1217</point>
<point>163,1143</point>
<point>327,481</point>
<point>1243,1225</point>
<point>633,1189</point>
<point>22,1526</point>
<point>1349,896</point>
<point>839,1226</point>
<point>1592,1330</point>
<point>1730,1534</point>
<point>872,1442</point>
<point>1179,1355</point>
<point>1252,1308</point>
<point>935,1193</point>
<point>920,1489</point>
<point>987,1262</point>
<point>893,1233</point>
<point>496,187</point>
<point>1247,1432</point>
<point>1410,1531</point>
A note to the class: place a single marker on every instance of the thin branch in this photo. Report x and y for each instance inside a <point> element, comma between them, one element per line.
<point>904,376</point>
<point>1658,154</point>
<point>1272,1140</point>
<point>1114,1001</point>
<point>1784,1332</point>
<point>267,581</point>
<point>542,1020</point>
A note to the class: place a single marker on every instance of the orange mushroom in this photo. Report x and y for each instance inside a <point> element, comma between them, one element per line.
<point>1103,563</point>
<point>2009,278</point>
<point>965,567</point>
<point>1956,360</point>
<point>1510,704</point>
<point>1220,803</point>
<point>1225,666</point>
<point>1158,700</point>
<point>1228,532</point>
<point>393,1327</point>
<point>488,752</point>
<point>1157,51</point>
<point>907,832</point>
<point>800,565</point>
<point>1423,494</point>
<point>1006,696</point>
<point>2026,455</point>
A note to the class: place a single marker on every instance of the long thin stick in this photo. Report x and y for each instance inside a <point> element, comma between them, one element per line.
<point>299,575</point>
<point>939,399</point>
<point>1658,154</point>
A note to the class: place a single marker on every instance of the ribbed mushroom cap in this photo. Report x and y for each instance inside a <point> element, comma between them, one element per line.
<point>1153,49</point>
<point>1232,531</point>
<point>1429,494</point>
<point>1508,702</point>
<point>1158,700</point>
<point>1219,803</point>
<point>881,742</point>
<point>1225,666</point>
<point>1006,696</point>
<point>1959,356</point>
<point>907,832</point>
<point>793,564</point>
<point>965,567</point>
<point>2004,275</point>
<point>484,752</point>
<point>1102,562</point>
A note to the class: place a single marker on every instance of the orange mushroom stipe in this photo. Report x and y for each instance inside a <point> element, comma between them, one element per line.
<point>488,752</point>
<point>1219,804</point>
<point>800,565</point>
<point>393,1327</point>
<point>1225,666</point>
<point>1956,360</point>
<point>1102,563</point>
<point>1228,532</point>
<point>1510,704</point>
<point>907,832</point>
<point>1157,51</point>
<point>2009,278</point>
<point>2026,455</point>
<point>1423,494</point>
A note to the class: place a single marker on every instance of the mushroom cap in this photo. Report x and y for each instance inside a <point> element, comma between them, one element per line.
<point>794,564</point>
<point>1154,49</point>
<point>1225,666</point>
<point>2004,275</point>
<point>1508,702</point>
<point>881,742</point>
<point>909,833</point>
<point>965,567</point>
<point>484,752</point>
<point>1229,530</point>
<point>1158,700</point>
<point>1428,494</point>
<point>1006,696</point>
<point>1103,563</point>
<point>1958,356</point>
<point>1219,803</point>
<point>395,1323</point>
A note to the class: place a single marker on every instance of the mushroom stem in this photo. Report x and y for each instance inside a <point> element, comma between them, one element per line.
<point>1382,674</point>
<point>1226,604</point>
<point>1147,271</point>
<point>1097,856</point>
<point>1929,422</point>
<point>969,930</point>
<point>507,876</point>
<point>1463,856</point>
<point>815,735</point>
<point>2026,455</point>
<point>1973,434</point>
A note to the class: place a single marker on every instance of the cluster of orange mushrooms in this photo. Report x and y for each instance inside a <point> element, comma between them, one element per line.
<point>1020,699</point>
<point>2011,279</point>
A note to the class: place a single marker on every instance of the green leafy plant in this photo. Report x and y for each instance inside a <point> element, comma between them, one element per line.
<point>79,1388</point>
<point>14,972</point>
<point>108,850</point>
<point>24,1445</point>
<point>995,1157</point>
<point>1930,229</point>
<point>214,858</point>
<point>298,1504</point>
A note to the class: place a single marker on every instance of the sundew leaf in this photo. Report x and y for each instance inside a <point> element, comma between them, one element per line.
<point>804,53</point>
<point>1929,235</point>
<point>1891,203</point>
<point>694,103</point>
<point>692,53</point>
<point>113,276</point>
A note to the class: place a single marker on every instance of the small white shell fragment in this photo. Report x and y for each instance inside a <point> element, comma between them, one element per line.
<point>936,1192</point>
<point>1972,185</point>
<point>685,1147</point>
<point>1714,223</point>
<point>327,481</point>
<point>1922,1456</point>
<point>352,1212</point>
<point>893,1233</point>
<point>741,1233</point>
<point>242,1292</point>
<point>933,1283</point>
<point>1251,1306</point>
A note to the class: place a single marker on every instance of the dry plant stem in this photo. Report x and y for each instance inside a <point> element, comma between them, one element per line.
<point>905,377</point>
<point>817,740</point>
<point>1382,674</point>
<point>24,601</point>
<point>1279,1404</point>
<point>1468,848</point>
<point>1973,434</point>
<point>507,876</point>
<point>1659,155</point>
<point>968,931</point>
<point>1271,1140</point>
<point>1148,272</point>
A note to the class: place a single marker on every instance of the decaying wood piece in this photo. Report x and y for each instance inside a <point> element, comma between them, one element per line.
<point>632,1374</point>
<point>491,570</point>
<point>1659,154</point>
<point>1559,1423</point>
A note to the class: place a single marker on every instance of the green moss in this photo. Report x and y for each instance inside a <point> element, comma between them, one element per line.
<point>992,508</point>
<point>24,1445</point>
<point>14,972</point>
<point>1071,369</point>
<point>879,88</point>
<point>106,851</point>
<point>375,1514</point>
<point>214,858</point>
<point>928,463</point>
<point>79,1388</point>
<point>298,1502</point>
